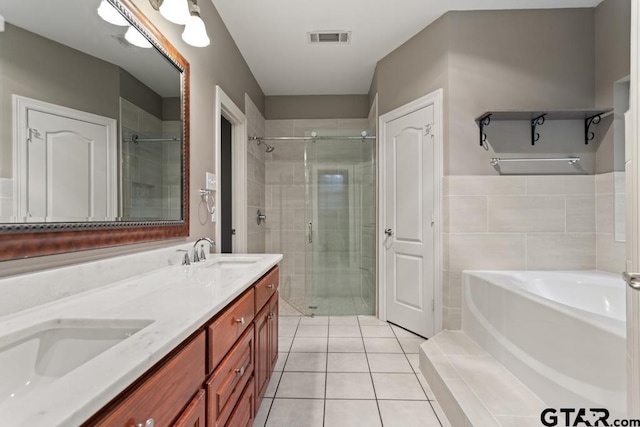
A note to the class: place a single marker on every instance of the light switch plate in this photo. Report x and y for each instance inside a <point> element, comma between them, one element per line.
<point>212,181</point>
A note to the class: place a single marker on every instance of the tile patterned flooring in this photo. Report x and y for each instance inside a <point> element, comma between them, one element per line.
<point>347,371</point>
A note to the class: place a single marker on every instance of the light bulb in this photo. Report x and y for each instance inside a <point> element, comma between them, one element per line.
<point>176,11</point>
<point>109,13</point>
<point>134,37</point>
<point>195,32</point>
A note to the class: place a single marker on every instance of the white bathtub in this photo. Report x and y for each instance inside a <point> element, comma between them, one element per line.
<point>560,333</point>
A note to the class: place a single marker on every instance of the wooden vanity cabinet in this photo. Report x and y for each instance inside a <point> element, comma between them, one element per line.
<point>194,415</point>
<point>216,378</point>
<point>266,332</point>
<point>163,394</point>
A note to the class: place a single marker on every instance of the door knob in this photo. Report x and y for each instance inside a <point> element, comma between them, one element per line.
<point>388,232</point>
<point>632,279</point>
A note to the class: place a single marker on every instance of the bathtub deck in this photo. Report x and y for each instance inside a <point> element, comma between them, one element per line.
<point>473,388</point>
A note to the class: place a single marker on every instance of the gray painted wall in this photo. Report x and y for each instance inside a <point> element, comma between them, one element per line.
<point>140,94</point>
<point>416,68</point>
<point>484,60</point>
<point>613,50</point>
<point>518,60</point>
<point>317,107</point>
<point>38,68</point>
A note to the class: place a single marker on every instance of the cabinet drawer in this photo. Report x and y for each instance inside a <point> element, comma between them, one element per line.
<point>226,329</point>
<point>242,416</point>
<point>266,286</point>
<point>229,379</point>
<point>164,394</point>
<point>194,415</point>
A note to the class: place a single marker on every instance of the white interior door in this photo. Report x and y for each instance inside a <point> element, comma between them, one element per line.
<point>68,170</point>
<point>409,220</point>
<point>65,162</point>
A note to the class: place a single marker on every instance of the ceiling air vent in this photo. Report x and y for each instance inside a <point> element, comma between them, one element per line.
<point>329,37</point>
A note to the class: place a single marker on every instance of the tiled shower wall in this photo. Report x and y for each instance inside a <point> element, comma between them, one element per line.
<point>285,198</point>
<point>151,171</point>
<point>255,178</point>
<point>525,223</point>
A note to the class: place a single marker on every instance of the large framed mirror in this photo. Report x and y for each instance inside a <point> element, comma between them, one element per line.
<point>94,128</point>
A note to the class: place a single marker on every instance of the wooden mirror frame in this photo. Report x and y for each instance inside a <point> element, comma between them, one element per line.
<point>25,240</point>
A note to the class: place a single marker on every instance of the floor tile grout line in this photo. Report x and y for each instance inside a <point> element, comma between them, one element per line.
<point>435,412</point>
<point>353,398</point>
<point>373,385</point>
<point>418,379</point>
<point>412,370</point>
<point>326,379</point>
<point>275,392</point>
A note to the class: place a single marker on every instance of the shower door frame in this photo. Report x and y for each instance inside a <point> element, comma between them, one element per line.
<point>312,168</point>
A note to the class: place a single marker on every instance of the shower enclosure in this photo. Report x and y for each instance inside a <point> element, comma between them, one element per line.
<point>329,245</point>
<point>340,220</point>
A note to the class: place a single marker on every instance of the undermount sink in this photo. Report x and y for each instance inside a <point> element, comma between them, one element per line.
<point>47,351</point>
<point>233,262</point>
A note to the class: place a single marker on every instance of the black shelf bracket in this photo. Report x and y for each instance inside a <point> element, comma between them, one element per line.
<point>593,120</point>
<point>538,121</point>
<point>484,121</point>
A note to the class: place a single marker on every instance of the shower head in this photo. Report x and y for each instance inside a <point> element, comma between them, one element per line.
<point>268,148</point>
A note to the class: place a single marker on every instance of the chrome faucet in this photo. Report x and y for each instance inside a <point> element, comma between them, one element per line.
<point>202,255</point>
<point>185,258</point>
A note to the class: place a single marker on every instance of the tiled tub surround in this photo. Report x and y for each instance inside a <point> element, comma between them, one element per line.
<point>177,300</point>
<point>550,222</point>
<point>285,209</point>
<point>610,227</point>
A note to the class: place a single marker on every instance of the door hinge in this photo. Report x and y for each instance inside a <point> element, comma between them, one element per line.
<point>33,133</point>
<point>233,231</point>
<point>433,305</point>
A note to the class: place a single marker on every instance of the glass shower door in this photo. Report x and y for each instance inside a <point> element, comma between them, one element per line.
<point>335,210</point>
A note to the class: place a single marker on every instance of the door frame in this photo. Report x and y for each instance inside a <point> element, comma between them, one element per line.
<point>632,161</point>
<point>436,99</point>
<point>224,106</point>
<point>20,106</point>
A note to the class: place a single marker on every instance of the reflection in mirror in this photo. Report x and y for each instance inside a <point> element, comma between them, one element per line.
<point>621,95</point>
<point>90,122</point>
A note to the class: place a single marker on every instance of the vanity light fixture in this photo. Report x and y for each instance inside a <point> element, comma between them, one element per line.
<point>134,37</point>
<point>107,12</point>
<point>176,11</point>
<point>195,32</point>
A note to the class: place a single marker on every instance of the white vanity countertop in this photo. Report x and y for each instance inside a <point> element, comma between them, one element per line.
<point>177,299</point>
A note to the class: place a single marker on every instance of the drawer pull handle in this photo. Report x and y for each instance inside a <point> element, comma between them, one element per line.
<point>240,320</point>
<point>271,286</point>
<point>240,371</point>
<point>149,423</point>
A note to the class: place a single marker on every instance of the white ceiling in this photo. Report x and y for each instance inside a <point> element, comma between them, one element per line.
<point>272,36</point>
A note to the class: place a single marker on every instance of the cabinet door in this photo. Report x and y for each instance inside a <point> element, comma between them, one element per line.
<point>262,342</point>
<point>273,332</point>
<point>163,395</point>
<point>194,415</point>
<point>243,414</point>
<point>229,380</point>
